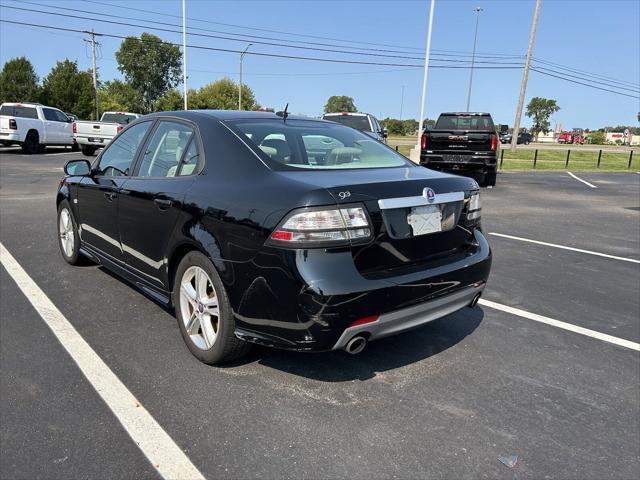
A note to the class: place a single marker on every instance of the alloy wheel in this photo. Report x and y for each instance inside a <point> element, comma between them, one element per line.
<point>65,228</point>
<point>199,307</point>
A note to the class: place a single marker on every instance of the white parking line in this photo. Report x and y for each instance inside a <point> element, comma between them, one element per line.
<point>565,326</point>
<point>555,245</point>
<point>581,180</point>
<point>163,453</point>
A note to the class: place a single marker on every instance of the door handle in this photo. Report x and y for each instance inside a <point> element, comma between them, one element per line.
<point>162,204</point>
<point>110,196</point>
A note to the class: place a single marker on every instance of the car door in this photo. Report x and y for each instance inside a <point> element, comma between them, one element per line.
<point>64,128</point>
<point>97,194</point>
<point>53,133</point>
<point>151,200</point>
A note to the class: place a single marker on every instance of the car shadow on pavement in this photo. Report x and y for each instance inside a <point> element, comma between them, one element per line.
<point>379,356</point>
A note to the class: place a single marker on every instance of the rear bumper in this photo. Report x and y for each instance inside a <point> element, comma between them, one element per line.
<point>11,137</point>
<point>480,163</point>
<point>308,299</point>
<point>85,141</point>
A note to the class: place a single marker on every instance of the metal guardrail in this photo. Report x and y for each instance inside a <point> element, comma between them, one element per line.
<point>566,160</point>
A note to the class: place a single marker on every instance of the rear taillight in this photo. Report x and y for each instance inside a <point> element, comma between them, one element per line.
<point>423,141</point>
<point>365,320</point>
<point>494,143</point>
<point>74,128</point>
<point>119,128</point>
<point>323,227</point>
<point>12,124</point>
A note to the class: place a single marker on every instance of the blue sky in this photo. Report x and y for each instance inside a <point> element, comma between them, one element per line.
<point>600,37</point>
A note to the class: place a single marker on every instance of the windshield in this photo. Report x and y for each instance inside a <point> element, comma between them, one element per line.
<point>359,122</point>
<point>313,145</point>
<point>464,122</point>
<point>121,118</point>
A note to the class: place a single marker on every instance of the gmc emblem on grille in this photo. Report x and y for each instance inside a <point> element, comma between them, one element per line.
<point>458,137</point>
<point>429,194</point>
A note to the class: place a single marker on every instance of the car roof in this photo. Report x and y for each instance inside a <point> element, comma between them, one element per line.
<point>27,104</point>
<point>224,115</point>
<point>467,113</point>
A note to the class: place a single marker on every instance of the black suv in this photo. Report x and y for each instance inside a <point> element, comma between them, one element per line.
<point>464,143</point>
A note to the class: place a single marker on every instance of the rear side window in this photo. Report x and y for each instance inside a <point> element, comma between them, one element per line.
<point>165,150</point>
<point>191,159</point>
<point>25,112</point>
<point>464,122</point>
<point>359,122</point>
<point>7,110</point>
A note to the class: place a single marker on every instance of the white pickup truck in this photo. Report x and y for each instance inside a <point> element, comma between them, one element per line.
<point>34,126</point>
<point>93,135</point>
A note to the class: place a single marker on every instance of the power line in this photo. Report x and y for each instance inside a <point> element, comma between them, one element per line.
<point>595,75</point>
<point>67,15</point>
<point>636,90</point>
<point>581,83</point>
<point>261,54</point>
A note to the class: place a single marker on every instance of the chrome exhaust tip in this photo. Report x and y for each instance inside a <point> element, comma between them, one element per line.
<point>356,345</point>
<point>475,300</point>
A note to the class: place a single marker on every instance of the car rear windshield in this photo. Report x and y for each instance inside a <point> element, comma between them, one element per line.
<point>464,122</point>
<point>314,145</point>
<point>18,111</point>
<point>359,122</point>
<point>120,118</point>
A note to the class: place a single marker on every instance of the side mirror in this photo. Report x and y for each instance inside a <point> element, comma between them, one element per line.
<point>385,132</point>
<point>77,168</point>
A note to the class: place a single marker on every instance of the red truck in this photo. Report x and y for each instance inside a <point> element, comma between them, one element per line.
<point>575,137</point>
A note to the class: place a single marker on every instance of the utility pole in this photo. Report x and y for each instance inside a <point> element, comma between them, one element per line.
<point>95,68</point>
<point>184,53</point>
<point>473,56</point>
<point>525,77</point>
<point>240,89</point>
<point>416,151</point>
<point>401,102</point>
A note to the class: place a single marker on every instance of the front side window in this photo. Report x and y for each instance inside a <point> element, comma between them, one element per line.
<point>309,144</point>
<point>61,116</point>
<point>50,114</point>
<point>165,150</point>
<point>118,157</point>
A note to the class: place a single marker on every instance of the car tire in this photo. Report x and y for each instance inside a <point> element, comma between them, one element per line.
<point>68,237</point>
<point>204,313</point>
<point>88,151</point>
<point>31,144</point>
<point>75,147</point>
<point>490,178</point>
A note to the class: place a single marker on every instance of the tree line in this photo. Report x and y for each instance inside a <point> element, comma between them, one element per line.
<point>151,69</point>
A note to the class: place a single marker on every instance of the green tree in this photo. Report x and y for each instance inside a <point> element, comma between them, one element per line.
<point>119,96</point>
<point>151,66</point>
<point>540,110</point>
<point>18,81</point>
<point>340,103</point>
<point>69,89</point>
<point>598,138</point>
<point>394,126</point>
<point>223,95</point>
<point>170,101</point>
<point>410,126</point>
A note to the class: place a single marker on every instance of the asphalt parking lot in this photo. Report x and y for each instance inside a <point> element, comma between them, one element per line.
<point>445,401</point>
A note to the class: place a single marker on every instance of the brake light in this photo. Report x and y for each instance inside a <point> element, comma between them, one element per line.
<point>74,128</point>
<point>365,320</point>
<point>423,141</point>
<point>119,128</point>
<point>344,113</point>
<point>494,143</point>
<point>12,124</point>
<point>322,227</point>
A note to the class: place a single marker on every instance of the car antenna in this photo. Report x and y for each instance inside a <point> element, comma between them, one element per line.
<point>284,114</point>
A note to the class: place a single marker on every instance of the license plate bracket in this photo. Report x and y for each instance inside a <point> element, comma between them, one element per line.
<point>425,219</point>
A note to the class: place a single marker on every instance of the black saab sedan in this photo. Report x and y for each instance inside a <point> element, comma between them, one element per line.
<point>272,229</point>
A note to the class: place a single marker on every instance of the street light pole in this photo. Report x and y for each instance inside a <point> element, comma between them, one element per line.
<point>240,89</point>
<point>401,102</point>
<point>424,79</point>
<point>184,52</point>
<point>473,56</point>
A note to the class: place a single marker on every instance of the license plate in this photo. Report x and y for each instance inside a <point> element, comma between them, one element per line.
<point>95,140</point>
<point>425,219</point>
